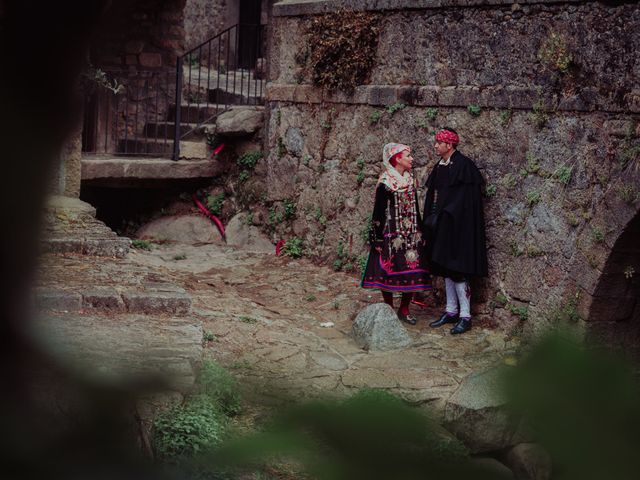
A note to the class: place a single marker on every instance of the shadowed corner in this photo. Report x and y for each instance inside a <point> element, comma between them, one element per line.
<point>583,407</point>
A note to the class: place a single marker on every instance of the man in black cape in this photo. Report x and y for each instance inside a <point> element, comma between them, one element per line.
<point>454,226</point>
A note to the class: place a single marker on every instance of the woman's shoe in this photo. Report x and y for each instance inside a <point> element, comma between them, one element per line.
<point>410,319</point>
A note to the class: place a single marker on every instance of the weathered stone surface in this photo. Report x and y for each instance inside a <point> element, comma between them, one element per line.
<point>377,328</point>
<point>247,237</point>
<point>529,461</point>
<point>493,467</point>
<point>240,121</point>
<point>150,168</point>
<point>189,229</point>
<point>106,299</point>
<point>59,300</point>
<point>477,413</point>
<point>126,347</point>
<point>166,303</point>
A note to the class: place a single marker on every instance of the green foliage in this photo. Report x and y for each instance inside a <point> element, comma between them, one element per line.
<point>310,298</point>
<point>534,251</point>
<point>394,108</point>
<point>375,117</point>
<point>188,429</point>
<point>509,181</point>
<point>491,190</point>
<point>628,153</point>
<point>474,110</point>
<point>281,149</point>
<point>208,336</point>
<point>290,208</point>
<point>366,228</point>
<point>596,235</point>
<point>533,197</point>
<point>306,160</point>
<point>515,249</point>
<point>361,176</point>
<point>628,194</point>
<point>431,114</point>
<point>275,217</point>
<point>219,387</point>
<point>532,163</point>
<point>247,319</point>
<point>384,439</point>
<point>180,256</point>
<point>243,176</point>
<point>249,219</point>
<point>563,174</point>
<point>293,247</point>
<point>142,244</point>
<point>362,263</point>
<point>521,311</point>
<point>342,48</point>
<point>567,312</point>
<point>502,299</point>
<point>540,114</point>
<point>249,160</point>
<point>278,117</point>
<point>554,53</point>
<point>215,202</point>
<point>572,219</point>
<point>505,117</point>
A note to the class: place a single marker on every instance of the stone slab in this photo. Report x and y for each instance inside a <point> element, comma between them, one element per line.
<point>166,303</point>
<point>127,347</point>
<point>94,168</point>
<point>377,328</point>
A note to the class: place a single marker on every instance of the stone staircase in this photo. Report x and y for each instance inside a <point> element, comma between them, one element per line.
<point>107,317</point>
<point>206,94</point>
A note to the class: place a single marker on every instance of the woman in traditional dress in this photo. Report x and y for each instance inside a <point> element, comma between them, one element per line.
<point>396,261</point>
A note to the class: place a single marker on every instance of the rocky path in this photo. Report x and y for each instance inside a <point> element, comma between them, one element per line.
<point>282,327</point>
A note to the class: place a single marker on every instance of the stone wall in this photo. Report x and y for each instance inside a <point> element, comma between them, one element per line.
<point>205,18</point>
<point>559,148</point>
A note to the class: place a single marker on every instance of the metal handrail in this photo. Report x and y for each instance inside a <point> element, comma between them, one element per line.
<point>141,120</point>
<point>211,62</point>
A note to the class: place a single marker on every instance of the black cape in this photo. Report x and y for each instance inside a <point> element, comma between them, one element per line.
<point>457,243</point>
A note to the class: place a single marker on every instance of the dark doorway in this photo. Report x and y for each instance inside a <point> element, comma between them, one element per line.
<point>249,33</point>
<point>614,314</point>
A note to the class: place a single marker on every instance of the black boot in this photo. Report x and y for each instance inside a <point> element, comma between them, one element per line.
<point>462,326</point>
<point>444,319</point>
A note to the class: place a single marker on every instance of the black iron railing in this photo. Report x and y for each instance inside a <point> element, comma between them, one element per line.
<point>152,111</point>
<point>226,70</point>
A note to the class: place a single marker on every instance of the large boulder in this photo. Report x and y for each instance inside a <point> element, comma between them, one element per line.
<point>189,229</point>
<point>529,461</point>
<point>247,237</point>
<point>240,121</point>
<point>377,328</point>
<point>478,415</point>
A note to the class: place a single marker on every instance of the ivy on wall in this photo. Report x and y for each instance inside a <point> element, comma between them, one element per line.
<point>341,49</point>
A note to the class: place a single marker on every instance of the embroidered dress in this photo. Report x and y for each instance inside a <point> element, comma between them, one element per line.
<point>396,261</point>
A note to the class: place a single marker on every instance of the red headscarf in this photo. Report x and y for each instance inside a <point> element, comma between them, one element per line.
<point>447,136</point>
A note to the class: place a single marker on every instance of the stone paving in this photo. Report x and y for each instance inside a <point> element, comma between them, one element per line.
<point>282,326</point>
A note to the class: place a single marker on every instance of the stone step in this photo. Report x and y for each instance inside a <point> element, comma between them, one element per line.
<point>195,112</point>
<point>222,96</point>
<point>124,347</point>
<point>71,227</point>
<point>161,299</point>
<point>163,130</point>
<point>151,147</point>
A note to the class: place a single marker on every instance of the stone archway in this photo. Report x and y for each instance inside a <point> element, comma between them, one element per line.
<point>614,311</point>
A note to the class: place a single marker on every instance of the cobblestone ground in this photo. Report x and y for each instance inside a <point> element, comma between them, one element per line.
<point>266,316</point>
